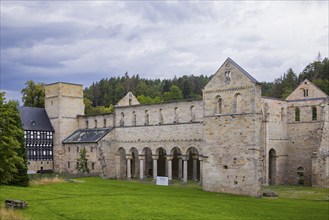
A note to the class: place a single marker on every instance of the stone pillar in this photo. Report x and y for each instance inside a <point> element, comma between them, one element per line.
<point>180,167</point>
<point>185,158</point>
<point>195,168</point>
<point>141,167</point>
<point>169,165</point>
<point>155,166</point>
<point>128,157</point>
<point>201,168</point>
<point>166,167</point>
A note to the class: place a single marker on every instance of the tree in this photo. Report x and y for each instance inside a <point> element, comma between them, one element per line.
<point>174,94</point>
<point>82,165</point>
<point>13,164</point>
<point>186,89</point>
<point>33,94</point>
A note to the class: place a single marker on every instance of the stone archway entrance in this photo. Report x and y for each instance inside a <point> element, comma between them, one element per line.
<point>300,174</point>
<point>272,167</point>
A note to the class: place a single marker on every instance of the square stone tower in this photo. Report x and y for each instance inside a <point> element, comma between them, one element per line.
<point>63,103</point>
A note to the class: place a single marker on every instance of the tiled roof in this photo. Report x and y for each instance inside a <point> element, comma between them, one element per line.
<point>35,119</point>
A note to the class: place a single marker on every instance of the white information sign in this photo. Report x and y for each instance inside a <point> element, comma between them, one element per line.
<point>162,180</point>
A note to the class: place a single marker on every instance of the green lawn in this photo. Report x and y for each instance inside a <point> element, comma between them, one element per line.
<point>95,198</point>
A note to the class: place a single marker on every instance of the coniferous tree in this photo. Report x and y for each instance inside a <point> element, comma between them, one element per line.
<point>82,165</point>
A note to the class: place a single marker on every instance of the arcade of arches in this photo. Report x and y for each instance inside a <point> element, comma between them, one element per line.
<point>142,164</point>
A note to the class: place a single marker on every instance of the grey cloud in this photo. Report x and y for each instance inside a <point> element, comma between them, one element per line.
<point>84,41</point>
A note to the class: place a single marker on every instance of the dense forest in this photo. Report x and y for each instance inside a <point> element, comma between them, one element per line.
<point>107,92</point>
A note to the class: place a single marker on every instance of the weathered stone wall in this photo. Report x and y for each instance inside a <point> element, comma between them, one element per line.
<point>320,158</point>
<point>96,121</point>
<point>168,113</point>
<point>233,163</point>
<point>275,138</point>
<point>71,152</point>
<point>307,90</point>
<point>303,139</point>
<point>37,165</point>
<point>128,100</point>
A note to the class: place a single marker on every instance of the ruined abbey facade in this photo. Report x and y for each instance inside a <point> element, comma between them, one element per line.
<point>233,140</point>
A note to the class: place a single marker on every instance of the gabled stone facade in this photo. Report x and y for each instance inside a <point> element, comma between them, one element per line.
<point>232,141</point>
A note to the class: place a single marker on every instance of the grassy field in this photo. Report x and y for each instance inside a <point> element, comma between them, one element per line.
<point>94,198</point>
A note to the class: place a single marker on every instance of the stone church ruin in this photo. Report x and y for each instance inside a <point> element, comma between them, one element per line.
<point>233,140</point>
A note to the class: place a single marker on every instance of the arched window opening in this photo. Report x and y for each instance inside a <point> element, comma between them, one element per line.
<point>297,114</point>
<point>122,120</point>
<point>104,122</point>
<point>175,115</point>
<point>314,113</point>
<point>237,103</point>
<point>147,118</point>
<point>87,124</point>
<point>130,101</point>
<point>192,113</point>
<point>282,114</point>
<point>305,92</point>
<point>218,105</point>
<point>227,77</point>
<point>133,119</point>
<point>300,174</point>
<point>160,117</point>
<point>95,123</point>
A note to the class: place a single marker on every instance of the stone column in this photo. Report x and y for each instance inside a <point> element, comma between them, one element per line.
<point>180,167</point>
<point>184,158</point>
<point>169,163</point>
<point>141,167</point>
<point>166,166</point>
<point>155,166</point>
<point>195,167</point>
<point>201,168</point>
<point>128,157</point>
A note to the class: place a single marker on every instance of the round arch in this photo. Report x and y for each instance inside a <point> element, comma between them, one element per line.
<point>176,153</point>
<point>161,162</point>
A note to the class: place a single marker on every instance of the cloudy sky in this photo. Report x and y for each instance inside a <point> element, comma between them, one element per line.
<point>84,41</point>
